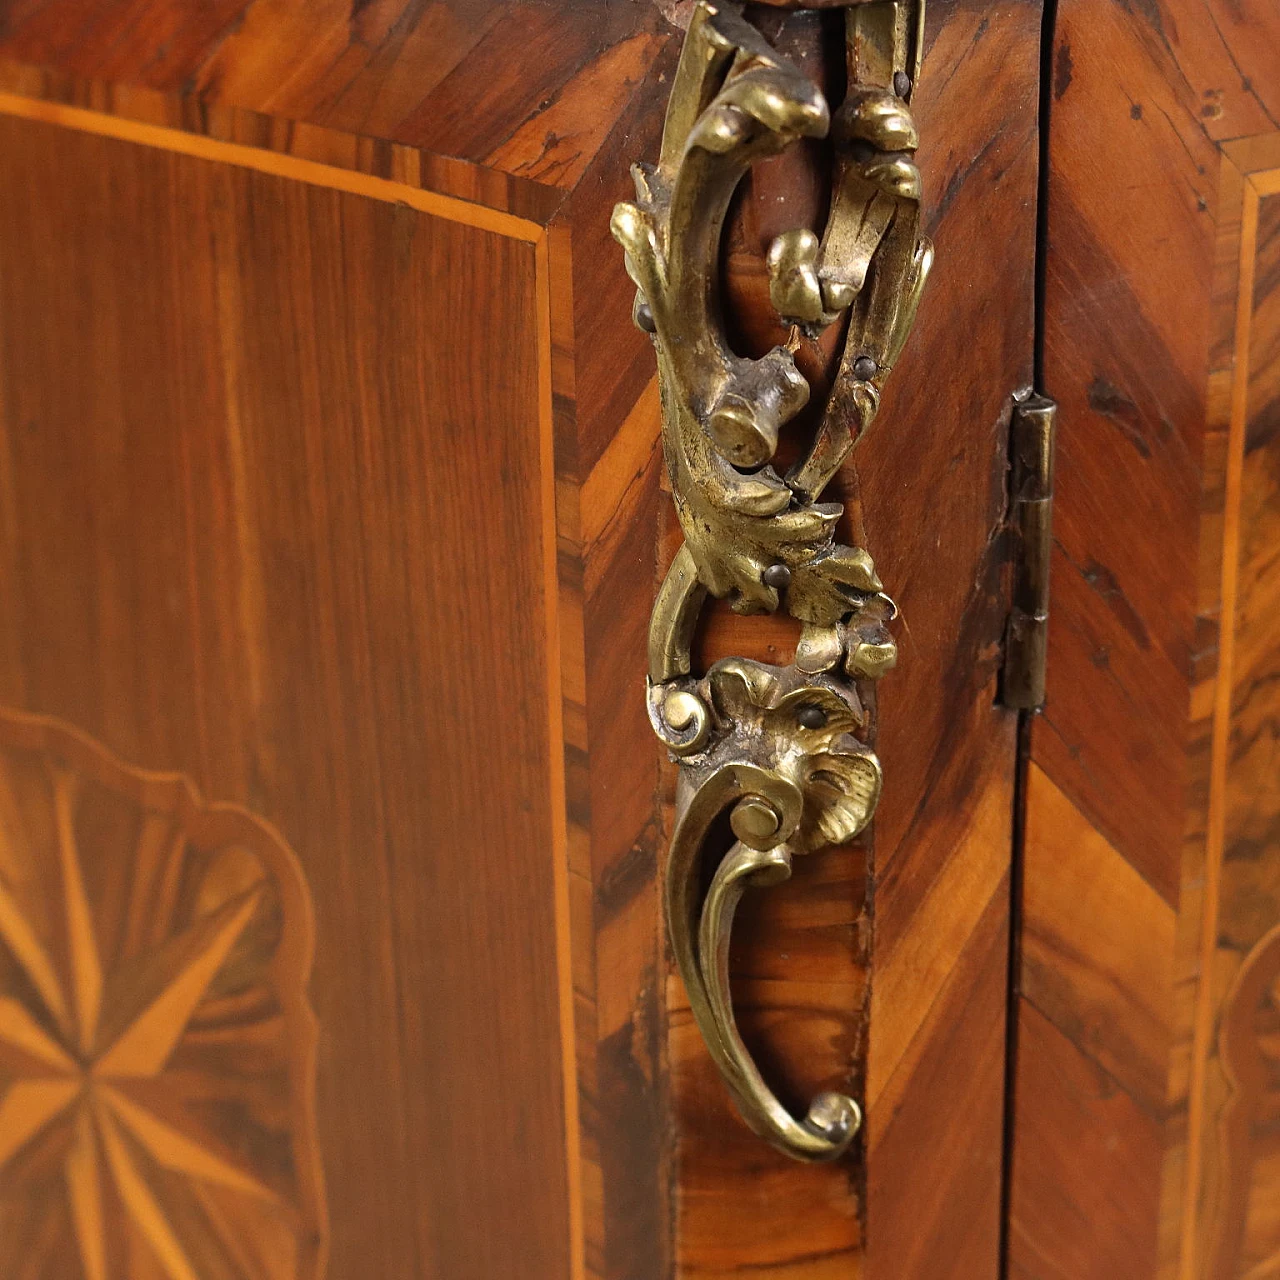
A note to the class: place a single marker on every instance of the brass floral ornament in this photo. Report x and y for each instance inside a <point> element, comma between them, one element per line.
<point>781,749</point>
<point>804,733</point>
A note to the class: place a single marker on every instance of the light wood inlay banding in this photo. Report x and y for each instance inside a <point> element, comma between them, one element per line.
<point>1232,1174</point>
<point>482,218</point>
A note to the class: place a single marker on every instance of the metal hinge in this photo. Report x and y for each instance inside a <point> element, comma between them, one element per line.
<point>1031,520</point>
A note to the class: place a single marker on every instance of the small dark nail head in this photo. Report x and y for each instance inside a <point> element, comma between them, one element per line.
<point>777,576</point>
<point>812,717</point>
<point>901,83</point>
<point>644,317</point>
<point>864,368</point>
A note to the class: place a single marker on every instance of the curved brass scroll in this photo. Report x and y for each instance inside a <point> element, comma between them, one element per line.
<point>781,750</point>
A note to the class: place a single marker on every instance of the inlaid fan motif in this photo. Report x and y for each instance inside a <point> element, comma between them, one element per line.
<point>157,1053</point>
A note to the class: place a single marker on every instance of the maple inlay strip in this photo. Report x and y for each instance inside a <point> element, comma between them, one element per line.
<point>28,1107</point>
<point>86,968</point>
<point>20,1029</point>
<point>17,933</point>
<point>286,166</point>
<point>84,1188</point>
<point>145,1046</point>
<point>141,1204</point>
<point>172,1149</point>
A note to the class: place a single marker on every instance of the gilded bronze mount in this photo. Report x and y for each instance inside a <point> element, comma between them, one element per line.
<point>782,749</point>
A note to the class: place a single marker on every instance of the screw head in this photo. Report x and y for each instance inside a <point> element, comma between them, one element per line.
<point>864,368</point>
<point>777,576</point>
<point>901,83</point>
<point>812,717</point>
<point>755,821</point>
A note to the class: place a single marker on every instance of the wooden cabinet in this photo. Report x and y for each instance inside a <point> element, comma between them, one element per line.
<point>332,511</point>
<point>1143,1055</point>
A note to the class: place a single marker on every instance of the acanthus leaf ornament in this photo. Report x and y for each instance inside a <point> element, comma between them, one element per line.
<point>782,750</point>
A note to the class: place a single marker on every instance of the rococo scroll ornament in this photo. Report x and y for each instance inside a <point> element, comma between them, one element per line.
<point>781,749</point>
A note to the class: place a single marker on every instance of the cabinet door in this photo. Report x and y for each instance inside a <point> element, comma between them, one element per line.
<point>331,820</point>
<point>1144,1105</point>
<point>880,968</point>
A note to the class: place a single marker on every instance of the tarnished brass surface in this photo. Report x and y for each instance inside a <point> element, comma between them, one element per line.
<point>781,749</point>
<point>1022,683</point>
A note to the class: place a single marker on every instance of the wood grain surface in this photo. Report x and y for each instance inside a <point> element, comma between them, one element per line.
<point>932,476</point>
<point>1114,1011</point>
<point>515,98</point>
<point>882,967</point>
<point>258,527</point>
<point>250,535</point>
<point>158,1047</point>
<point>608,460</point>
<point>1232,1183</point>
<point>376,93</point>
<point>530,153</point>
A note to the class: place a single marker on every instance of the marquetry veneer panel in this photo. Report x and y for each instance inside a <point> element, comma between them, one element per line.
<point>1234,1183</point>
<point>157,1050</point>
<point>1151,847</point>
<point>269,519</point>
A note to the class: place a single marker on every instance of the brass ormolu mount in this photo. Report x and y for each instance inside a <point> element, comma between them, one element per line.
<point>780,748</point>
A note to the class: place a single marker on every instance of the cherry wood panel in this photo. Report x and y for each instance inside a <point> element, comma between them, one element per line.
<point>1114,1010</point>
<point>251,535</point>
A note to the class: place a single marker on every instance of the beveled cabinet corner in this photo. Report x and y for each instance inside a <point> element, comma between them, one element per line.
<point>783,750</point>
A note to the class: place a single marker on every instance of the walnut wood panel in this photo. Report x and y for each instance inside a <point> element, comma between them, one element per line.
<point>1232,1174</point>
<point>933,494</point>
<point>1082,965</point>
<point>537,149</point>
<point>608,461</point>
<point>1093,1050</point>
<point>1064,1222</point>
<point>881,968</point>
<point>1108,1057</point>
<point>249,492</point>
<point>514,99</point>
